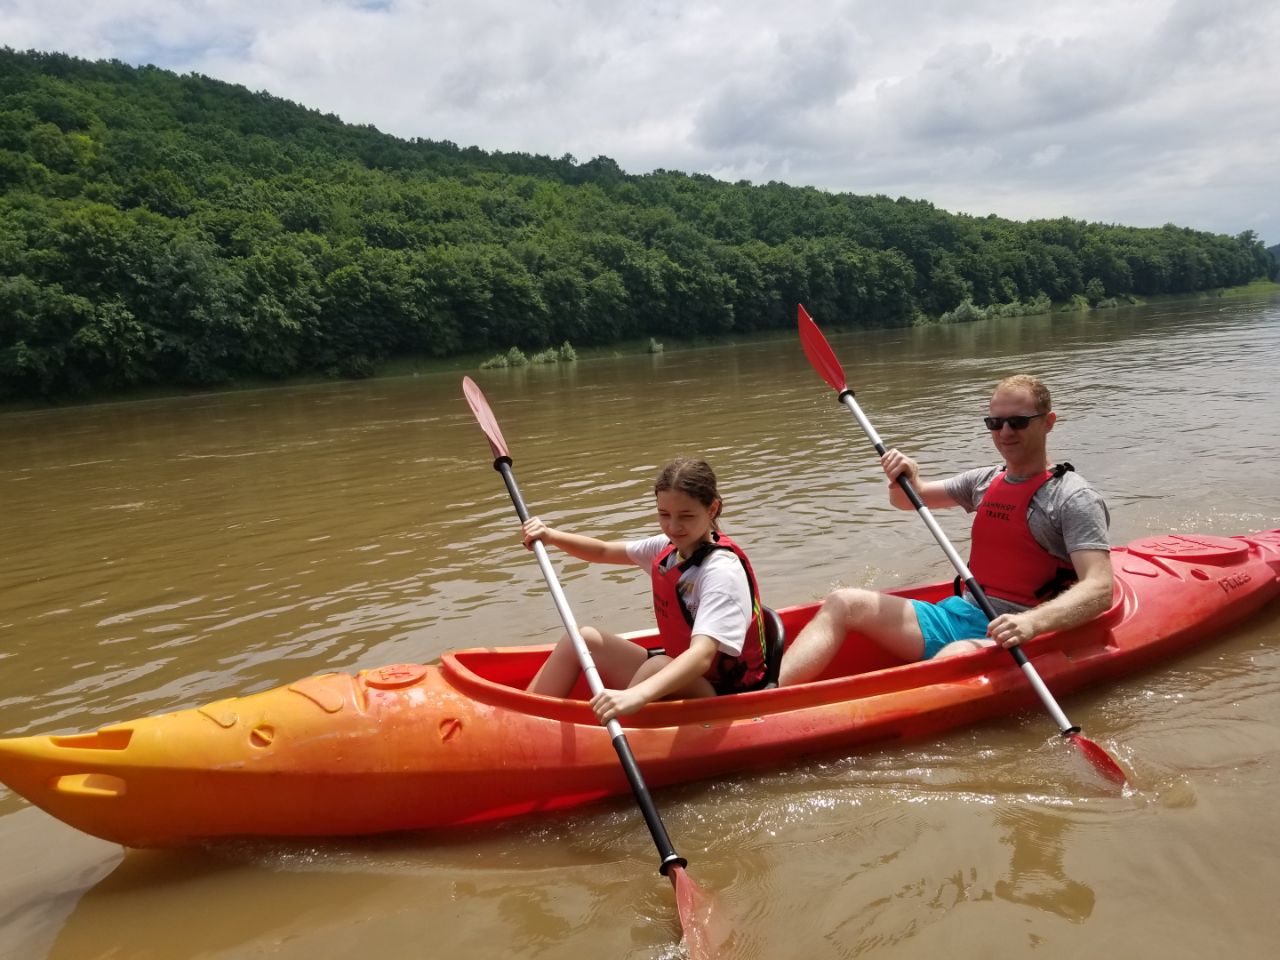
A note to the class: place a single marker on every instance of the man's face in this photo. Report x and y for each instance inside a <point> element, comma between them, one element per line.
<point>1028,443</point>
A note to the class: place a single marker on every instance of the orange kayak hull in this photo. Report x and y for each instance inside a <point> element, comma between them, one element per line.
<point>417,746</point>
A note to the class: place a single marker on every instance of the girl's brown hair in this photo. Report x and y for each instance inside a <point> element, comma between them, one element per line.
<point>693,477</point>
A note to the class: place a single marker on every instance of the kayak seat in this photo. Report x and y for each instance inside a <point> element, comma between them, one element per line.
<point>775,639</point>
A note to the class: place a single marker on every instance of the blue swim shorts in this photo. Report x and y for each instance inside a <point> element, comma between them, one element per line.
<point>954,618</point>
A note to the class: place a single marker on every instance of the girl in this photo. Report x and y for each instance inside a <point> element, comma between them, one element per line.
<point>704,596</point>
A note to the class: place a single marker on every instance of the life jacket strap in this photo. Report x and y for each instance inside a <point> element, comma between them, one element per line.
<point>695,559</point>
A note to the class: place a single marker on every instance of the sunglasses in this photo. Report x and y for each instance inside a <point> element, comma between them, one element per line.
<point>1019,421</point>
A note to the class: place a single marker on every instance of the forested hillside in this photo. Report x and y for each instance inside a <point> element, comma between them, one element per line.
<point>177,230</point>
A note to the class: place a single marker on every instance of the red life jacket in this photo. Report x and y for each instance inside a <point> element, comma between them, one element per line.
<point>1005,558</point>
<point>675,623</point>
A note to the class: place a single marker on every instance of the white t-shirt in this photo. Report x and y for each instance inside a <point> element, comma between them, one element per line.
<point>716,591</point>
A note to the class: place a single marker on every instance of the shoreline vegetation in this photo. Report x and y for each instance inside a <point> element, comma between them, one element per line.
<point>164,233</point>
<point>966,313</point>
<point>425,365</point>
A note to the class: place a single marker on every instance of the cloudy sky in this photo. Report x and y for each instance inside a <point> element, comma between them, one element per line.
<point>1127,111</point>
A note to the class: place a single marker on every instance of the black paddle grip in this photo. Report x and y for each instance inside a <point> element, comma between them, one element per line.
<point>902,480</point>
<point>509,478</point>
<point>657,829</point>
<point>908,489</point>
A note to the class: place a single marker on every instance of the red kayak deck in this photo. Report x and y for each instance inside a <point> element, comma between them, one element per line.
<point>414,746</point>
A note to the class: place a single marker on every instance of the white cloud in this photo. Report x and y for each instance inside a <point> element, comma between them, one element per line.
<point>1048,156</point>
<point>1135,111</point>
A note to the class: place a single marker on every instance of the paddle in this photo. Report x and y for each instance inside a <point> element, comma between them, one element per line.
<point>694,906</point>
<point>824,361</point>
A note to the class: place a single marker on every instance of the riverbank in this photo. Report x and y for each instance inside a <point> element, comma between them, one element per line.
<point>1258,288</point>
<point>407,366</point>
<point>424,365</point>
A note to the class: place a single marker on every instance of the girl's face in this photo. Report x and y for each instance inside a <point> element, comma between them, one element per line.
<point>684,520</point>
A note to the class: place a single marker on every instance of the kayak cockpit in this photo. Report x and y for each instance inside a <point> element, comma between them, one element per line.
<point>499,675</point>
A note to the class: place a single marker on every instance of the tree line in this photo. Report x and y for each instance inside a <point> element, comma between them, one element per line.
<point>177,230</point>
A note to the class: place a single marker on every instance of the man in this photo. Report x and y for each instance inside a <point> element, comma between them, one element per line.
<point>1040,551</point>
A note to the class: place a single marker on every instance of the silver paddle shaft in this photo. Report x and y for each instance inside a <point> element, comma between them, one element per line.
<point>585,660</point>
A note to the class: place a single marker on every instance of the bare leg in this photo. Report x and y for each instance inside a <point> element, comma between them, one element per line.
<point>616,659</point>
<point>888,621</point>
<point>957,647</point>
<point>700,687</point>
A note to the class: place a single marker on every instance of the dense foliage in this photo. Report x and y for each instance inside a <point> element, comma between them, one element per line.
<point>168,229</point>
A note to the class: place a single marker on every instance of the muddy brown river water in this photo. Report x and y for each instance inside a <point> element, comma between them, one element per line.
<point>160,554</point>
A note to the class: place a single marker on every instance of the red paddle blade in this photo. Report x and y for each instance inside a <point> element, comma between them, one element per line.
<point>819,352</point>
<point>1100,759</point>
<point>706,928</point>
<point>484,416</point>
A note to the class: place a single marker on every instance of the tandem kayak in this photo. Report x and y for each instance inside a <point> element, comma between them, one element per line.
<point>429,746</point>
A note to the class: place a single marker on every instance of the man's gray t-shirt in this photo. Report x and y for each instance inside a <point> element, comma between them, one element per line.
<point>1065,515</point>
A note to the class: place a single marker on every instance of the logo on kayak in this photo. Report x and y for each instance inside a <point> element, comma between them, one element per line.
<point>396,675</point>
<point>1233,582</point>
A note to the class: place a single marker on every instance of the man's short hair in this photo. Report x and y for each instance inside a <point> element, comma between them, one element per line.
<point>1039,392</point>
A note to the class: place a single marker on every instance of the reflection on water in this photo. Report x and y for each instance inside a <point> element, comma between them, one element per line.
<point>159,554</point>
<point>1037,877</point>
